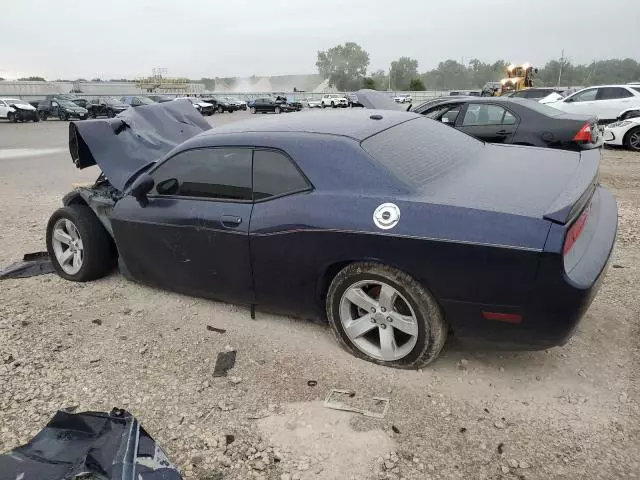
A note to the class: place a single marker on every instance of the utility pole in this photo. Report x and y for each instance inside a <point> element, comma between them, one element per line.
<point>389,89</point>
<point>561,65</point>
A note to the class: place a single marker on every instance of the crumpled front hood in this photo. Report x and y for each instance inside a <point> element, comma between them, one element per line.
<point>124,145</point>
<point>377,100</point>
<point>23,106</point>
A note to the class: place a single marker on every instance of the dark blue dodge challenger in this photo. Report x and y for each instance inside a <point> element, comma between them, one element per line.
<point>399,229</point>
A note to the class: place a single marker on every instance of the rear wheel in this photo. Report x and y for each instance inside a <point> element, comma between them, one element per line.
<point>79,246</point>
<point>220,109</point>
<point>632,139</point>
<point>277,110</point>
<point>252,109</point>
<point>333,105</point>
<point>43,115</point>
<point>385,316</point>
<point>12,117</point>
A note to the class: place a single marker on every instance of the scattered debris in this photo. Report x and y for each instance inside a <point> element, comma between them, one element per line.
<point>226,407</point>
<point>463,429</point>
<point>523,465</point>
<point>463,364</point>
<point>395,429</point>
<point>499,424</point>
<point>143,350</point>
<point>617,265</point>
<point>500,448</point>
<point>235,380</point>
<point>8,359</point>
<point>623,397</point>
<point>216,329</point>
<point>229,439</point>
<point>312,383</point>
<point>330,403</point>
<point>225,362</point>
<point>89,444</point>
<point>32,264</point>
<point>96,321</point>
<point>504,469</point>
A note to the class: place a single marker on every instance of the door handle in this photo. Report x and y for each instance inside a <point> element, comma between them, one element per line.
<point>230,221</point>
<point>502,133</point>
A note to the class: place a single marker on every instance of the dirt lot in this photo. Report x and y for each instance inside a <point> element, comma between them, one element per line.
<point>569,412</point>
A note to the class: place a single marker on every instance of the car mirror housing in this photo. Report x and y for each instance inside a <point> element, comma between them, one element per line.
<point>141,188</point>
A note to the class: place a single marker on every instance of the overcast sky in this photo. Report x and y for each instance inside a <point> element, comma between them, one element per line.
<point>196,38</point>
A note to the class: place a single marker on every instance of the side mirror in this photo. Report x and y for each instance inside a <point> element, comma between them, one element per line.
<point>141,187</point>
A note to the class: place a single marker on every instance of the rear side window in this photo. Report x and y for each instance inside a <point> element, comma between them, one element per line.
<point>483,114</point>
<point>274,174</point>
<point>613,93</point>
<point>421,149</point>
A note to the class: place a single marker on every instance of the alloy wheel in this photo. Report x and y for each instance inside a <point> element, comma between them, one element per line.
<point>378,320</point>
<point>67,246</point>
<point>634,140</point>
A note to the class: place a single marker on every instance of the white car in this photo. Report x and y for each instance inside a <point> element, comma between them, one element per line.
<point>625,131</point>
<point>403,98</point>
<point>311,103</point>
<point>204,108</point>
<point>605,101</point>
<point>18,110</point>
<point>333,100</point>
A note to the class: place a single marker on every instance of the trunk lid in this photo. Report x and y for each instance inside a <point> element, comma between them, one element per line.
<point>529,181</point>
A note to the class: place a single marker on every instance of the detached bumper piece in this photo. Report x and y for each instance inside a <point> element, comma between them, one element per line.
<point>89,445</point>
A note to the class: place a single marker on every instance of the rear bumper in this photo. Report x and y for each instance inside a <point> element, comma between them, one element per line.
<point>613,136</point>
<point>555,304</point>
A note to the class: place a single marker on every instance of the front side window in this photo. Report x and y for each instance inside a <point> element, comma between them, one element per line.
<point>274,174</point>
<point>483,114</point>
<point>586,96</point>
<point>213,173</point>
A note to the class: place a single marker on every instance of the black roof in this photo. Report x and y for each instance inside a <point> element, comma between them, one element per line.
<point>355,123</point>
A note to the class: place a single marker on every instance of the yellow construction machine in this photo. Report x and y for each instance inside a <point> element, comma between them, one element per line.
<point>518,77</point>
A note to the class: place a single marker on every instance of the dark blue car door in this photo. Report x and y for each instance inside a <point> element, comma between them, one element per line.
<point>193,236</point>
<point>487,122</point>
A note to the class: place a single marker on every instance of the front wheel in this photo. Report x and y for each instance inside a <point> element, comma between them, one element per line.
<point>333,105</point>
<point>252,109</point>
<point>323,105</point>
<point>277,110</point>
<point>12,117</point>
<point>43,116</point>
<point>79,246</point>
<point>632,139</point>
<point>385,316</point>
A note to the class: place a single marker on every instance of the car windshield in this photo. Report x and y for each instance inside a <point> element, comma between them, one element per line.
<point>66,103</point>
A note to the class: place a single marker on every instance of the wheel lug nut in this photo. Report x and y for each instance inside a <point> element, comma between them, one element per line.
<point>373,320</point>
<point>383,326</point>
<point>382,309</point>
<point>373,310</point>
<point>389,319</point>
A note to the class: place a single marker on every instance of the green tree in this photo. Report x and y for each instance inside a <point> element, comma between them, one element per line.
<point>381,79</point>
<point>402,71</point>
<point>369,82</point>
<point>32,79</point>
<point>344,65</point>
<point>416,85</point>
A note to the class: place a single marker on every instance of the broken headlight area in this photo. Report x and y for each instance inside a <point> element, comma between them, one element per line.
<point>89,445</point>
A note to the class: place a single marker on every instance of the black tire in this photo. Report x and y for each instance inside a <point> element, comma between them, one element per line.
<point>252,110</point>
<point>277,110</point>
<point>629,139</point>
<point>98,251</point>
<point>220,109</point>
<point>43,116</point>
<point>111,113</point>
<point>432,328</point>
<point>36,118</point>
<point>333,105</point>
<point>11,116</point>
<point>64,117</point>
<point>323,105</point>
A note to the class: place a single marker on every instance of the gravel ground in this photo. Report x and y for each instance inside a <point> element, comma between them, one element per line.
<point>567,412</point>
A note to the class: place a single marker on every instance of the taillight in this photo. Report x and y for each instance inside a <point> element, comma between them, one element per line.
<point>584,134</point>
<point>575,231</point>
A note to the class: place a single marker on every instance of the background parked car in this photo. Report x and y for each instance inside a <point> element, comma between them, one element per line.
<point>291,102</point>
<point>312,103</point>
<point>17,110</point>
<point>516,121</point>
<point>270,104</point>
<point>160,98</point>
<point>240,104</point>
<point>71,97</point>
<point>333,100</point>
<point>205,108</point>
<point>403,98</point>
<point>106,107</point>
<point>353,101</point>
<point>137,101</point>
<point>60,108</point>
<point>625,131</point>
<point>222,104</point>
<point>606,101</point>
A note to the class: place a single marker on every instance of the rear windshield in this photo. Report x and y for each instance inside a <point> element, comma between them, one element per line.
<point>421,149</point>
<point>542,108</point>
